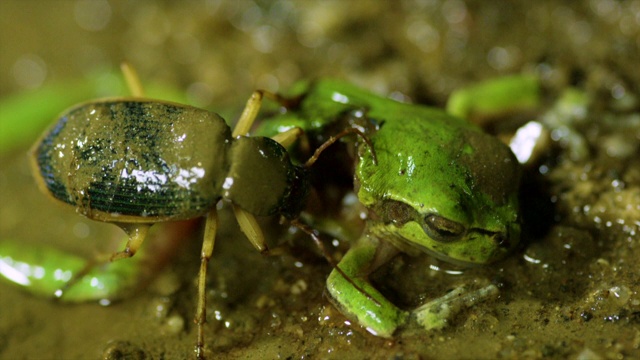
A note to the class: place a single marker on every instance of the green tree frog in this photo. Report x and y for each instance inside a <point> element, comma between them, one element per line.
<point>441,186</point>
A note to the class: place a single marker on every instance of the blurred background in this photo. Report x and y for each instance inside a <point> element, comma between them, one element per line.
<point>572,292</point>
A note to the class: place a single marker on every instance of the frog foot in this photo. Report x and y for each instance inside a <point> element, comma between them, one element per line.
<point>438,313</point>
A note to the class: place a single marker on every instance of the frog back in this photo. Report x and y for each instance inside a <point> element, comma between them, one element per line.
<point>318,105</point>
<point>439,164</point>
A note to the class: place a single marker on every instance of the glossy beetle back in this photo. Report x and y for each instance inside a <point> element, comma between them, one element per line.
<point>134,160</point>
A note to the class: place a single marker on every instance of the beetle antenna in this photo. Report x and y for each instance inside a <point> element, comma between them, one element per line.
<point>307,230</point>
<point>338,136</point>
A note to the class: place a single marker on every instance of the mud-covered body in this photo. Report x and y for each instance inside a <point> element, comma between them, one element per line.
<point>137,161</point>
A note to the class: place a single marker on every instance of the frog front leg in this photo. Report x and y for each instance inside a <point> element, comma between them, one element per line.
<point>365,305</point>
<point>357,299</point>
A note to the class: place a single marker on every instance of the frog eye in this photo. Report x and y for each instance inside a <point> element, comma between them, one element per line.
<point>442,229</point>
<point>501,240</point>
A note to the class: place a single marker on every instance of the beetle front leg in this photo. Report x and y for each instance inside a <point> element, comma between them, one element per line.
<point>211,226</point>
<point>250,228</point>
<point>287,138</point>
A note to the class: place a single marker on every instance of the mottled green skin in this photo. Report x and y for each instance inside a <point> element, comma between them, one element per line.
<point>433,162</point>
<point>441,165</point>
<point>441,186</point>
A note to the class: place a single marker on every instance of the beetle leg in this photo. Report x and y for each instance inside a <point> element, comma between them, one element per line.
<point>208,242</point>
<point>250,228</point>
<point>288,137</point>
<point>250,112</point>
<point>137,233</point>
<point>132,79</point>
<point>248,116</point>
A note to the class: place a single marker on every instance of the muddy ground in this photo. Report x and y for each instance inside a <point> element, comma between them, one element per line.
<point>570,291</point>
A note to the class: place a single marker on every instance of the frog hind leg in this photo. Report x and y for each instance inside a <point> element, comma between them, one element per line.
<point>437,314</point>
<point>366,305</point>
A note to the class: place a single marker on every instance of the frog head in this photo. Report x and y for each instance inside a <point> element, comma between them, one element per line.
<point>443,187</point>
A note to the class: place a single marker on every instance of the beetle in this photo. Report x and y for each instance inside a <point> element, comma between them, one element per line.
<point>135,162</point>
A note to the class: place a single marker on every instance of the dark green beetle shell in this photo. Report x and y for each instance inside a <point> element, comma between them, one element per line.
<point>144,161</point>
<point>135,160</point>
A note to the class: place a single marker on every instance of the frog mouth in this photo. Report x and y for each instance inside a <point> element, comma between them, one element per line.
<point>441,237</point>
<point>451,260</point>
<point>475,248</point>
<point>478,249</point>
<point>500,238</point>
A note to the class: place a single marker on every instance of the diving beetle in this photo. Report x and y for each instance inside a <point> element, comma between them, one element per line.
<point>135,162</point>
